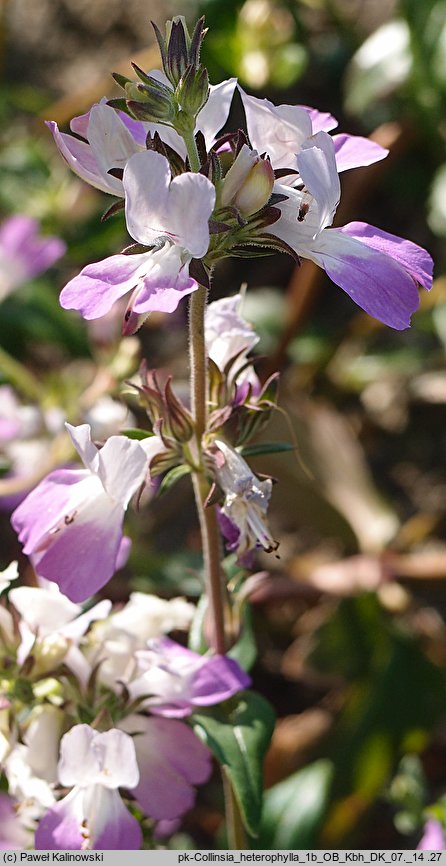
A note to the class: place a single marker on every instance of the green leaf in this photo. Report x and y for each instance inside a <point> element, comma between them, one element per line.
<point>266,448</point>
<point>244,650</point>
<point>136,433</point>
<point>238,734</point>
<point>172,476</point>
<point>197,641</point>
<point>294,809</point>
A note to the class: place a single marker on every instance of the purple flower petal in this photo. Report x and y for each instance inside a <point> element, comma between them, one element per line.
<point>82,160</point>
<point>280,130</point>
<point>353,151</point>
<point>121,831</point>
<point>433,837</point>
<point>37,515</point>
<point>137,129</point>
<point>93,818</point>
<point>94,291</point>
<point>83,556</point>
<point>414,259</point>
<point>375,281</point>
<point>109,139</point>
<point>178,679</point>
<point>322,121</point>
<point>171,761</point>
<point>60,827</point>
<point>164,284</point>
<point>218,679</point>
<point>29,253</point>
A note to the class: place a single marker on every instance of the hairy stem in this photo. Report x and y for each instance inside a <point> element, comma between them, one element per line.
<point>207,515</point>
<point>210,533</point>
<point>192,152</point>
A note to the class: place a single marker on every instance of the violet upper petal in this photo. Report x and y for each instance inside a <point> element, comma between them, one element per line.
<point>81,159</point>
<point>218,679</point>
<point>280,130</point>
<point>111,141</point>
<point>82,557</point>
<point>46,505</point>
<point>321,120</point>
<point>353,151</point>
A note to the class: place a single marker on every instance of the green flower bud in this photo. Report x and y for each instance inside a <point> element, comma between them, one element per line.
<point>150,102</point>
<point>192,92</point>
<point>249,182</point>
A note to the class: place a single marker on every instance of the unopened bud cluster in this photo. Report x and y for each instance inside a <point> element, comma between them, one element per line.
<point>177,100</point>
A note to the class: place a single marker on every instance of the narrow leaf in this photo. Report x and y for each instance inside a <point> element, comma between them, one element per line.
<point>266,448</point>
<point>136,433</point>
<point>172,476</point>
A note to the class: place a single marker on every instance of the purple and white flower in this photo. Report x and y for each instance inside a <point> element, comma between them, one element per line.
<point>175,679</point>
<point>24,253</point>
<point>378,270</point>
<point>229,337</point>
<point>93,815</point>
<point>71,523</point>
<point>246,499</point>
<point>282,130</point>
<point>169,215</point>
<point>171,761</point>
<point>112,643</point>
<point>108,138</point>
<point>51,626</point>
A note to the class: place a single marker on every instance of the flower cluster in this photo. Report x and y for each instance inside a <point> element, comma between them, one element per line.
<point>96,701</point>
<point>236,204</point>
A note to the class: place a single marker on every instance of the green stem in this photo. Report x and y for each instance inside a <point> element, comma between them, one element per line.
<point>207,516</point>
<point>236,832</point>
<point>19,376</point>
<point>192,152</point>
<point>210,533</point>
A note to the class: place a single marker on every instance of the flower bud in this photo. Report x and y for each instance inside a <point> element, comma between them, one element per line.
<point>150,102</point>
<point>249,182</point>
<point>193,90</point>
<point>178,419</point>
<point>178,49</point>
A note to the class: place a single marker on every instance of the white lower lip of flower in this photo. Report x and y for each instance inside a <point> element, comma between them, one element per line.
<point>246,501</point>
<point>248,514</point>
